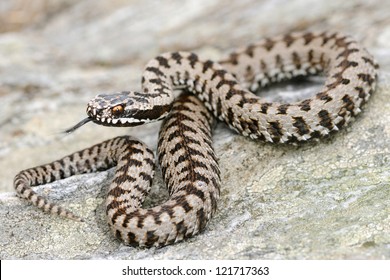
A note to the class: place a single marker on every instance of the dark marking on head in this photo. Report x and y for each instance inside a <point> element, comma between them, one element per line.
<point>140,100</point>
<point>150,114</point>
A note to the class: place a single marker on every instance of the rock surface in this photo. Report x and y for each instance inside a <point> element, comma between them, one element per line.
<point>326,200</point>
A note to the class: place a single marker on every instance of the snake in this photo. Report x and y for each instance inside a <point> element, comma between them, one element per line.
<point>189,93</point>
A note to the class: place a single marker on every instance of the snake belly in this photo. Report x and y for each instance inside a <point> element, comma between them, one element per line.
<point>187,160</point>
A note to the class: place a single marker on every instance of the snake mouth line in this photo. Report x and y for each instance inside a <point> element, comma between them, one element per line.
<point>129,122</point>
<point>124,123</point>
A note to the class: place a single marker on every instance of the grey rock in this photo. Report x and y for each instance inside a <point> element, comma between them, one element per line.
<point>325,200</point>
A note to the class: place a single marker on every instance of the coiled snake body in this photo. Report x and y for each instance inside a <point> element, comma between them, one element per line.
<point>185,153</point>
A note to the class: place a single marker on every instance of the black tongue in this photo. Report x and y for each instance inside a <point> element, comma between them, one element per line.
<point>80,124</point>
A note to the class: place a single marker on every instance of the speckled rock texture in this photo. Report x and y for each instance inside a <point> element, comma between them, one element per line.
<point>321,200</point>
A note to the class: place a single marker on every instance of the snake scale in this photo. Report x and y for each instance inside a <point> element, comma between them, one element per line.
<point>188,163</point>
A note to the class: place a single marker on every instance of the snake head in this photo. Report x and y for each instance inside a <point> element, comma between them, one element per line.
<point>125,108</point>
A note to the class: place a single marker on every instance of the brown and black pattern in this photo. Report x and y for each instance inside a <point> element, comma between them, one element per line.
<point>95,158</point>
<point>191,173</point>
<point>187,160</point>
<point>348,66</point>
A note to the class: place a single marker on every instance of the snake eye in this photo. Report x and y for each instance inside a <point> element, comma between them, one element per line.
<point>117,110</point>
